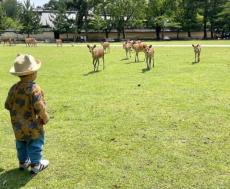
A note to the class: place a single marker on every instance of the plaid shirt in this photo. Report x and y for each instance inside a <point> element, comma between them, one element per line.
<point>27,108</point>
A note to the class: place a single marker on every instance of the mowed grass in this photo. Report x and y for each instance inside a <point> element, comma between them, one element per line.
<point>125,127</point>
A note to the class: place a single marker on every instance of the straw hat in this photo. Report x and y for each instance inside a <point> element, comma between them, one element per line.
<point>25,65</point>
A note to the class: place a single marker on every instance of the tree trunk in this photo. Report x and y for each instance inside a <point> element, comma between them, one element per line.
<point>118,34</point>
<point>212,32</point>
<point>158,30</point>
<point>162,34</point>
<point>123,32</point>
<point>106,34</point>
<point>205,19</point>
<point>189,33</point>
<point>205,28</point>
<point>177,34</point>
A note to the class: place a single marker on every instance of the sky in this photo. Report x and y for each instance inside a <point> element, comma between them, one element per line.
<point>37,2</point>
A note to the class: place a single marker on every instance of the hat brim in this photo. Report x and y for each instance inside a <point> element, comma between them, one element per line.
<point>34,69</point>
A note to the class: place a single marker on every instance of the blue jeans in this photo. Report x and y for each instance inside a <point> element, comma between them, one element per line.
<point>30,150</point>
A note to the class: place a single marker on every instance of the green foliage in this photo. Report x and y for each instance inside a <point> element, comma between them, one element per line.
<point>60,19</point>
<point>224,18</point>
<point>12,24</point>
<point>98,23</point>
<point>2,18</point>
<point>10,7</point>
<point>29,19</point>
<point>126,13</point>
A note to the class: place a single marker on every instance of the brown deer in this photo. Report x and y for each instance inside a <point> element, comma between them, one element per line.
<point>30,42</point>
<point>106,45</point>
<point>149,56</point>
<point>9,40</point>
<point>138,46</point>
<point>59,42</point>
<point>197,51</point>
<point>97,53</point>
<point>128,47</point>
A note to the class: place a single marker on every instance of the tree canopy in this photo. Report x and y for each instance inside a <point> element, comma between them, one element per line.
<point>120,15</point>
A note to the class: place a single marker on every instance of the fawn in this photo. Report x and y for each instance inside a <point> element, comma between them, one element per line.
<point>197,51</point>
<point>97,53</point>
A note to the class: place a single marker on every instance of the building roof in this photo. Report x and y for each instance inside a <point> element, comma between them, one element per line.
<point>47,16</point>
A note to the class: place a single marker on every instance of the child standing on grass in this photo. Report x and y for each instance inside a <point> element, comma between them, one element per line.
<point>28,113</point>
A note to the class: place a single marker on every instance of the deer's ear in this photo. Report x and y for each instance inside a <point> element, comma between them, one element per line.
<point>94,46</point>
<point>88,46</point>
<point>150,46</point>
<point>198,45</point>
<point>193,45</point>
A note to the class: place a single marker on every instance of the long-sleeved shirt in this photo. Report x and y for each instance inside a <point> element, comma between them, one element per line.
<point>27,108</point>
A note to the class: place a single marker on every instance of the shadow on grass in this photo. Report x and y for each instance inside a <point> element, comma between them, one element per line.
<point>14,179</point>
<point>195,63</point>
<point>90,73</point>
<point>124,59</point>
<point>133,62</point>
<point>145,70</point>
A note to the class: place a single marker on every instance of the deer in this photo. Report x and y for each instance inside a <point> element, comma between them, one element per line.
<point>197,51</point>
<point>97,53</point>
<point>128,47</point>
<point>59,42</point>
<point>105,45</point>
<point>138,46</point>
<point>30,42</point>
<point>10,41</point>
<point>149,56</point>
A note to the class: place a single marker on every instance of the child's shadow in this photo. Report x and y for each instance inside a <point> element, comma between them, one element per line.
<point>14,179</point>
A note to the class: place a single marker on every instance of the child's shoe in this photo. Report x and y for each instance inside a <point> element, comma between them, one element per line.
<point>39,167</point>
<point>24,165</point>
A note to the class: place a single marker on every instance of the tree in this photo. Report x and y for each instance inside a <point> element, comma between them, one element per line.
<point>188,15</point>
<point>60,20</point>
<point>10,7</point>
<point>126,13</point>
<point>101,18</point>
<point>2,18</point>
<point>223,21</point>
<point>159,13</point>
<point>210,9</point>
<point>29,19</point>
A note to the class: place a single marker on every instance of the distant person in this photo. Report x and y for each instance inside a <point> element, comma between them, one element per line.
<point>28,113</point>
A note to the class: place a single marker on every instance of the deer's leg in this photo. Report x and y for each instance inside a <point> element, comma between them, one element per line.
<point>198,57</point>
<point>103,62</point>
<point>98,64</point>
<point>153,61</point>
<point>94,64</point>
<point>150,60</point>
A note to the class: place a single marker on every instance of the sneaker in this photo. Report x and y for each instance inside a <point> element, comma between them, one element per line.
<point>39,167</point>
<point>24,165</point>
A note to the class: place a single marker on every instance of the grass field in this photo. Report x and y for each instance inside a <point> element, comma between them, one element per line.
<point>125,127</point>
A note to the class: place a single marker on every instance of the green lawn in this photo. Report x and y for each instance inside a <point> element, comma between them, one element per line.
<point>123,127</point>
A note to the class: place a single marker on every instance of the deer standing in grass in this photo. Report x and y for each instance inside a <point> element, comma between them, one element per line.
<point>197,51</point>
<point>10,41</point>
<point>31,42</point>
<point>97,53</point>
<point>149,56</point>
<point>128,47</point>
<point>59,42</point>
<point>106,45</point>
<point>138,46</point>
